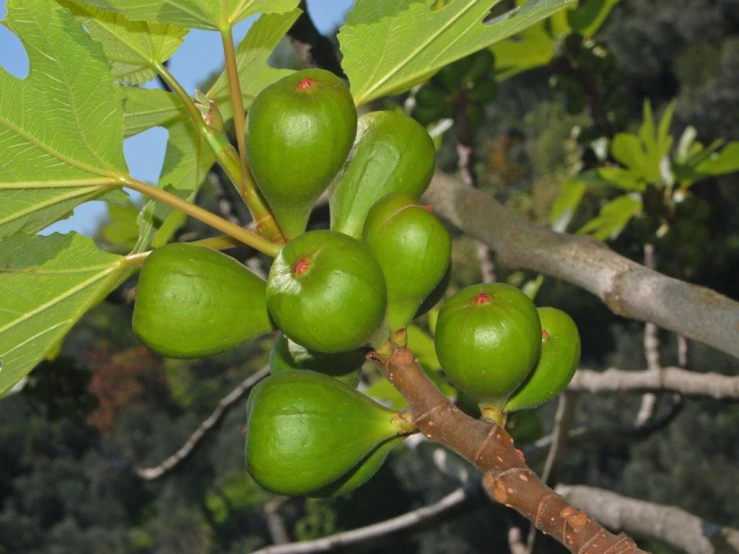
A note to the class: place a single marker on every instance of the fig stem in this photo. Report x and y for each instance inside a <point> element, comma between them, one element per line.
<point>403,423</point>
<point>228,159</point>
<point>494,415</point>
<point>209,218</point>
<point>220,242</point>
<point>400,337</point>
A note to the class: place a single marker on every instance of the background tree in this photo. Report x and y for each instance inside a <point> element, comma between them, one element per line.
<point>546,147</point>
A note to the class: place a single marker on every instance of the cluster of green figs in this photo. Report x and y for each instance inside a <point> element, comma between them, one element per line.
<point>334,295</point>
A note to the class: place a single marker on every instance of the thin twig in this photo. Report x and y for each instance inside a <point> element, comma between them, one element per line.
<point>203,430</point>
<point>651,352</point>
<point>669,379</point>
<point>461,501</point>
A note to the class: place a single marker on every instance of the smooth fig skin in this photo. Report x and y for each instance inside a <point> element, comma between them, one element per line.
<point>327,292</point>
<point>193,301</point>
<point>414,250</point>
<point>488,338</point>
<point>392,153</point>
<point>300,131</point>
<point>306,430</point>
<point>362,473</point>
<point>560,354</point>
<point>437,295</point>
<point>344,366</point>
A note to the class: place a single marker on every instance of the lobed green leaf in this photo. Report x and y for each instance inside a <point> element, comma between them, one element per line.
<point>46,284</point>
<point>391,45</point>
<point>61,128</point>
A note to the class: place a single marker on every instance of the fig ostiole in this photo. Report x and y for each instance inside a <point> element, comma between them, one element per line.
<point>327,293</point>
<point>300,131</point>
<point>560,354</point>
<point>392,153</point>
<point>192,301</point>
<point>344,366</point>
<point>488,339</point>
<point>306,430</point>
<point>414,250</point>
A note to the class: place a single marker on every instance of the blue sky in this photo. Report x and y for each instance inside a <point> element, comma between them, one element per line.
<point>199,55</point>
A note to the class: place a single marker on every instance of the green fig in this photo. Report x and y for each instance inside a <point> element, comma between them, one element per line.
<point>344,366</point>
<point>560,354</point>
<point>414,250</point>
<point>193,301</point>
<point>327,292</point>
<point>488,338</point>
<point>363,472</point>
<point>481,66</point>
<point>429,96</point>
<point>484,91</point>
<point>306,430</point>
<point>392,153</point>
<point>299,132</point>
<point>437,295</point>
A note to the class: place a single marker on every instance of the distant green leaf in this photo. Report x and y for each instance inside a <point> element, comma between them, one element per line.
<point>423,347</point>
<point>720,163</point>
<point>389,45</point>
<point>533,47</point>
<point>589,17</point>
<point>61,128</point>
<point>46,284</point>
<point>122,227</point>
<point>196,14</point>
<point>147,108</point>
<point>134,48</point>
<point>624,179</point>
<point>629,151</point>
<point>186,164</point>
<point>613,217</point>
<point>566,204</point>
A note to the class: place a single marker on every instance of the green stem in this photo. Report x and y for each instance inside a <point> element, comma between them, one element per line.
<point>229,160</point>
<point>239,233</point>
<point>265,222</point>
<point>216,243</point>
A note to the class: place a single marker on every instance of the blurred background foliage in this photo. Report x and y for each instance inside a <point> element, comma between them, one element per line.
<point>616,119</point>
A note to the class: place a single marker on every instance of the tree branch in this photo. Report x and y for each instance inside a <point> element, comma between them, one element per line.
<point>628,288</point>
<point>456,504</point>
<point>205,428</point>
<point>490,449</point>
<point>668,524</point>
<point>668,379</point>
<point>584,437</point>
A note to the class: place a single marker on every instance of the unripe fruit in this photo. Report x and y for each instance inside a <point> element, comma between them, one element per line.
<point>363,472</point>
<point>414,250</point>
<point>193,301</point>
<point>560,354</point>
<point>306,430</point>
<point>344,366</point>
<point>299,132</point>
<point>488,338</point>
<point>392,153</point>
<point>327,292</point>
<point>437,295</point>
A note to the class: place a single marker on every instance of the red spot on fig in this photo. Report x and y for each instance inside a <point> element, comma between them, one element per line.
<point>545,334</point>
<point>483,298</point>
<point>520,454</point>
<point>305,83</point>
<point>301,266</point>
<point>428,208</point>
